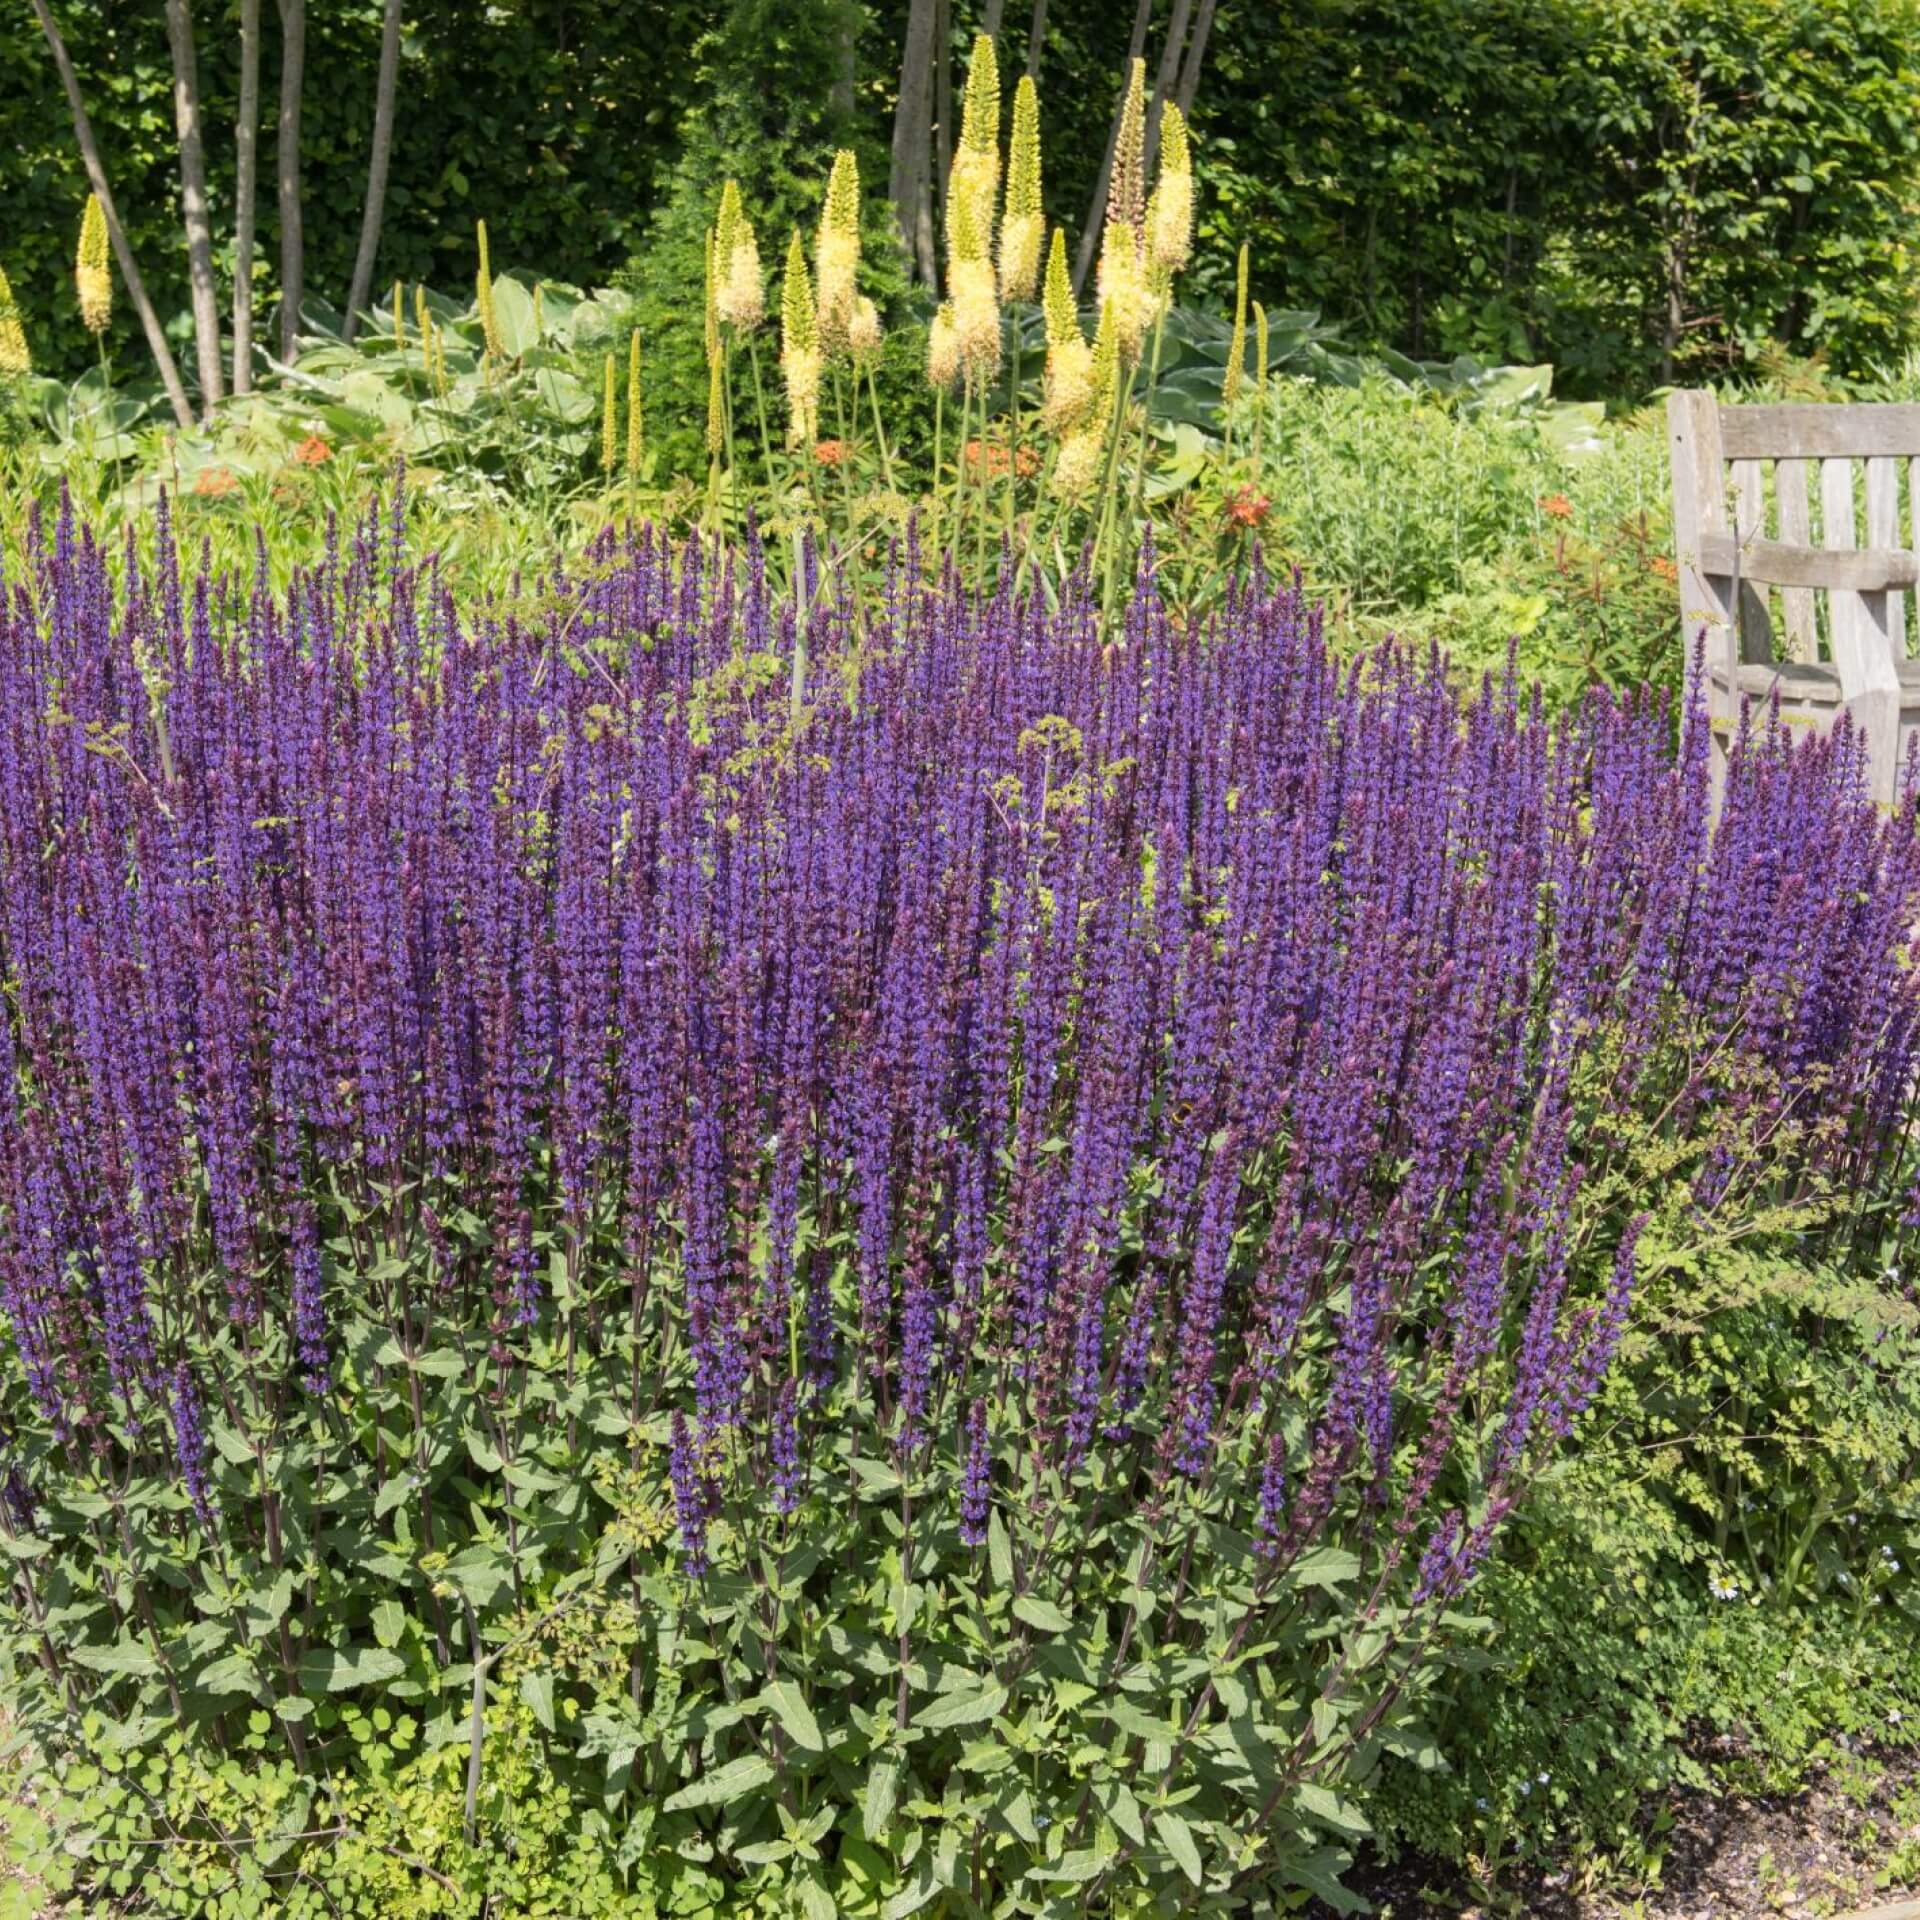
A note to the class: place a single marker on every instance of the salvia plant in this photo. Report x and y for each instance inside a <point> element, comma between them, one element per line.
<point>919,1245</point>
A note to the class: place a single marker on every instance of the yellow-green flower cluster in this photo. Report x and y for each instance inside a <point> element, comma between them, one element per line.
<point>92,276</point>
<point>1170,211</point>
<point>738,293</point>
<point>800,348</point>
<point>836,253</point>
<point>1237,343</point>
<point>1022,221</point>
<point>609,418</point>
<point>974,183</point>
<point>14,357</point>
<point>483,295</point>
<point>1124,282</point>
<point>633,403</point>
<point>1069,377</point>
<point>1084,448</point>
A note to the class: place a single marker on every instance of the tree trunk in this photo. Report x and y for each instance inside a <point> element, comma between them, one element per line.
<point>845,65</point>
<point>122,252</point>
<point>193,205</point>
<point>293,245</point>
<point>990,20</point>
<point>1196,54</point>
<point>1164,80</point>
<point>376,169</point>
<point>1097,206</point>
<point>912,126</point>
<point>1036,39</point>
<point>246,181</point>
<point>942,108</point>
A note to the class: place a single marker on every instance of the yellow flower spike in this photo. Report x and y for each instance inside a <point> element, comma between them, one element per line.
<point>399,317</point>
<point>943,348</point>
<point>539,316</point>
<point>92,276</point>
<point>423,316</point>
<point>1023,221</point>
<point>1124,286</point>
<point>608,417</point>
<point>1068,385</point>
<point>1170,220</point>
<point>1126,184</point>
<point>975,180</point>
<point>633,403</point>
<point>863,328</point>
<point>14,357</point>
<point>716,406</point>
<point>1083,451</point>
<point>483,294</point>
<point>712,303</point>
<point>1237,344</point>
<point>739,294</point>
<point>1259,347</point>
<point>836,256</point>
<point>976,299</point>
<point>799,347</point>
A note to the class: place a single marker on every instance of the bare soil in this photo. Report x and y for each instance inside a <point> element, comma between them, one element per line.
<point>1849,1843</point>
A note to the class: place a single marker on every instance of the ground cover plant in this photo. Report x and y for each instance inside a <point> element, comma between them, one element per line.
<point>698,1253</point>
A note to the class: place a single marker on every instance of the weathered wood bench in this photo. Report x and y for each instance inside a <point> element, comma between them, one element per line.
<point>1787,528</point>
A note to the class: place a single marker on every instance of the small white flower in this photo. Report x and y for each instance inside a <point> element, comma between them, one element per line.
<point>1481,1801</point>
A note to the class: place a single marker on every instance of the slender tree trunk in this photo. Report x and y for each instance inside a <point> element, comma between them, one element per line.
<point>122,252</point>
<point>1097,206</point>
<point>377,164</point>
<point>942,108</point>
<point>1036,39</point>
<point>926,200</point>
<point>193,205</point>
<point>246,181</point>
<point>845,69</point>
<point>1196,56</point>
<point>293,244</point>
<point>912,125</point>
<point>1166,78</point>
<point>990,20</point>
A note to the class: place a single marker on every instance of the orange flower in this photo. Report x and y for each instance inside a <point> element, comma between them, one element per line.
<point>313,451</point>
<point>1248,508</point>
<point>829,453</point>
<point>1665,567</point>
<point>1557,505</point>
<point>215,481</point>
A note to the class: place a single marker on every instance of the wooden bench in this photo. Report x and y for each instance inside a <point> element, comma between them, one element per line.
<point>1788,524</point>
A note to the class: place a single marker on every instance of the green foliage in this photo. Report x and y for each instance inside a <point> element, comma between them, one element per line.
<point>1636,192</point>
<point>1713,1591</point>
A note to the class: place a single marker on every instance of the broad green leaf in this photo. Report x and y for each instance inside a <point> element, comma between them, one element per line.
<point>883,1790</point>
<point>1039,1613</point>
<point>999,1550</point>
<point>815,1900</point>
<point>128,1657</point>
<point>536,1689</point>
<point>1177,1837</point>
<point>723,1785</point>
<point>513,316</point>
<point>234,1674</point>
<point>962,1709</point>
<point>334,1669</point>
<point>788,1704</point>
<point>1330,1810</point>
<point>389,1622</point>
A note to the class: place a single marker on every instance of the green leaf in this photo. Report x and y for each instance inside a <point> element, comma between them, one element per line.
<point>389,1622</point>
<point>999,1550</point>
<point>513,316</point>
<point>334,1669</point>
<point>1330,1810</point>
<point>1039,1613</point>
<point>723,1785</point>
<point>883,1790</point>
<point>788,1704</point>
<point>1328,1567</point>
<point>815,1901</point>
<point>1177,1837</point>
<point>962,1709</point>
<point>536,1689</point>
<point>128,1657</point>
<point>234,1674</point>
